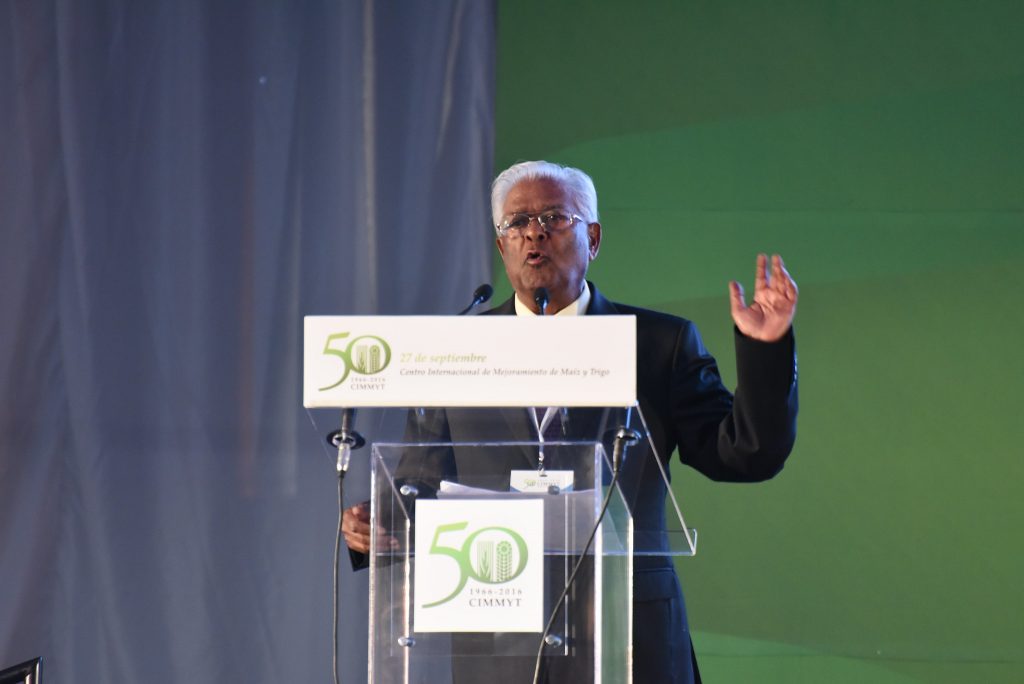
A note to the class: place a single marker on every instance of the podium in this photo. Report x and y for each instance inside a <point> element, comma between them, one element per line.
<point>512,516</point>
<point>440,608</point>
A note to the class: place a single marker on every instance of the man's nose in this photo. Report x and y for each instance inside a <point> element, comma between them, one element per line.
<point>534,230</point>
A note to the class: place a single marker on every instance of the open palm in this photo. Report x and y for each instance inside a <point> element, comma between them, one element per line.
<point>771,313</point>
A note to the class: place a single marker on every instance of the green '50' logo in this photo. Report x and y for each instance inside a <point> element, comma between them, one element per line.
<point>365,355</point>
<point>499,554</point>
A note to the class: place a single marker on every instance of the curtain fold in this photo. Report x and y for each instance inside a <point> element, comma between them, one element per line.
<point>180,182</point>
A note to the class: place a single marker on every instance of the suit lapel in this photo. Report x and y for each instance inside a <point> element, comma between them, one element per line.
<point>599,306</point>
<point>506,308</point>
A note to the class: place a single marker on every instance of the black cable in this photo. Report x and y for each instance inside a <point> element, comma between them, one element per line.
<point>572,575</point>
<point>346,440</point>
<point>337,563</point>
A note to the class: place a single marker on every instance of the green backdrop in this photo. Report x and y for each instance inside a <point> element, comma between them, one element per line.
<point>879,146</point>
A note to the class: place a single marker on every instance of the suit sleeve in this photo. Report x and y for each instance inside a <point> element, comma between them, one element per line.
<point>744,437</point>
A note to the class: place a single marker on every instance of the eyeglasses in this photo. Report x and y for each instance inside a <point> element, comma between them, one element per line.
<point>551,220</point>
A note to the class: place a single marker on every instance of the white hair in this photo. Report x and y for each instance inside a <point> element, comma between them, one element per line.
<point>578,184</point>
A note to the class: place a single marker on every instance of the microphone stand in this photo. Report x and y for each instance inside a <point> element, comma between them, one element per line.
<point>346,440</point>
<point>624,437</point>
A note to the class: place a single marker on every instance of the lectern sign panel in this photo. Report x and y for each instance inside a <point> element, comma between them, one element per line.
<point>479,566</point>
<point>353,361</point>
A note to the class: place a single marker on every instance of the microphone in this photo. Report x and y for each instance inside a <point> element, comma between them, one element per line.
<point>346,440</point>
<point>624,437</point>
<point>480,295</point>
<point>541,298</point>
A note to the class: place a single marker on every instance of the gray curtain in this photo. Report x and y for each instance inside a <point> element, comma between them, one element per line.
<point>180,182</point>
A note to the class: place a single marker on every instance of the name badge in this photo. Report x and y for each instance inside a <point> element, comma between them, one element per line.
<point>546,481</point>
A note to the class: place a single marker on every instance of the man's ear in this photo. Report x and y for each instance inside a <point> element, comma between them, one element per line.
<point>594,238</point>
<point>501,247</point>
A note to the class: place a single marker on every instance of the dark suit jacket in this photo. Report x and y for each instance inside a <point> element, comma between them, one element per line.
<point>744,437</point>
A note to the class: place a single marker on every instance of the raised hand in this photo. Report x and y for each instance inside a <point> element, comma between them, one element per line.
<point>771,313</point>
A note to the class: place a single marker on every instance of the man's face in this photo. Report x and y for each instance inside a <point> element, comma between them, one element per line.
<point>537,258</point>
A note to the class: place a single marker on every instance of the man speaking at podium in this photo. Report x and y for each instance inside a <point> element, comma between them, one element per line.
<point>548,232</point>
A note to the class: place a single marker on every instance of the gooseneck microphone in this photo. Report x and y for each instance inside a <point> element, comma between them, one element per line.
<point>541,299</point>
<point>480,295</point>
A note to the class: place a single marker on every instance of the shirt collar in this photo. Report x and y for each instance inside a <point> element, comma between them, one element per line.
<point>577,308</point>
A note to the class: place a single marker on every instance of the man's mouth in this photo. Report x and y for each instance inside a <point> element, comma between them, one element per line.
<point>534,258</point>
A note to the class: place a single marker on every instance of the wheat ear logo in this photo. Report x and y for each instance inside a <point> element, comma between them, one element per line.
<point>491,555</point>
<point>363,355</point>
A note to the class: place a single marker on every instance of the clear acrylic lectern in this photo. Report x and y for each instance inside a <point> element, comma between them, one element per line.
<point>486,455</point>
